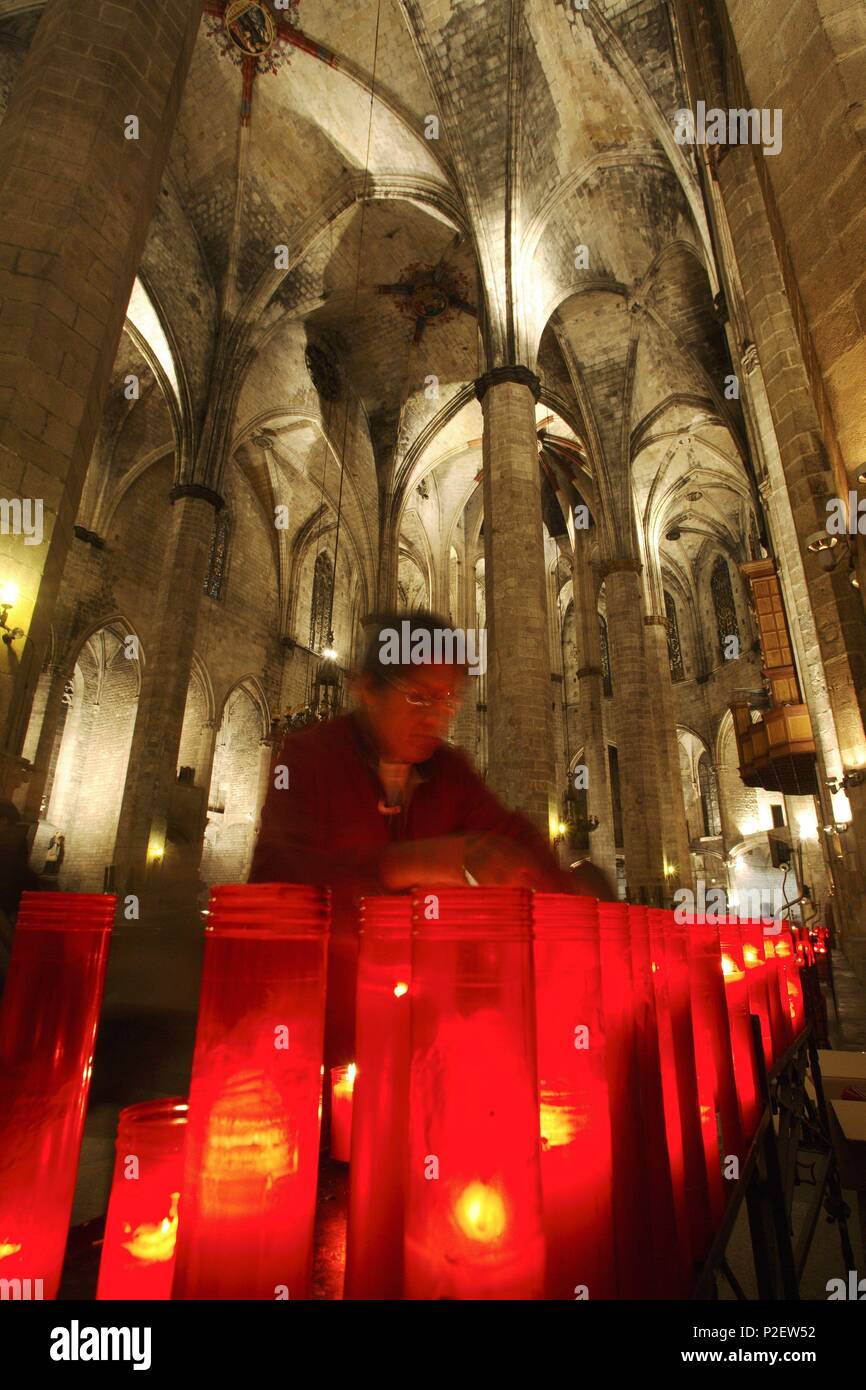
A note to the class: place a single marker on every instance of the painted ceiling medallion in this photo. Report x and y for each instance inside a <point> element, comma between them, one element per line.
<point>428,292</point>
<point>250,27</point>
<point>252,36</point>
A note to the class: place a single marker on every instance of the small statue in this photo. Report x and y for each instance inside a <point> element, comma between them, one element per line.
<point>54,856</point>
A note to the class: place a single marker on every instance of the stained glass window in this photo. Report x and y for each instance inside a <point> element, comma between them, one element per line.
<point>709,797</point>
<point>723,603</point>
<point>607,684</point>
<point>218,554</point>
<point>320,608</point>
<point>675,654</point>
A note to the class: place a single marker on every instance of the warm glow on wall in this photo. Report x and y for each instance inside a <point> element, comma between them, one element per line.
<point>807,824</point>
<point>841,808</point>
<point>8,594</point>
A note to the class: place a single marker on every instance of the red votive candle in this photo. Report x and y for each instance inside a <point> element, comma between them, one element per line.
<point>380,1123</point>
<point>669,975</point>
<point>780,1019</point>
<point>702,1180</point>
<point>572,1088</point>
<point>251,1165</point>
<point>757,981</point>
<point>342,1094</point>
<point>713,1049</point>
<point>738,1000</point>
<point>632,1230</point>
<point>659,1108</point>
<point>48,1025</point>
<point>141,1224</point>
<point>791,986</point>
<point>473,1220</point>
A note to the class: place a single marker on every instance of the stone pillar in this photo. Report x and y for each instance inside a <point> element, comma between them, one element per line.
<point>76,199</point>
<point>520,727</point>
<point>152,770</point>
<point>590,678</point>
<point>675,831</point>
<point>464,732</point>
<point>57,679</point>
<point>786,393</point>
<point>635,736</point>
<point>808,480</point>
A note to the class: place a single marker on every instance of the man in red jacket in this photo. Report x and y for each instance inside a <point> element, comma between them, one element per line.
<point>376,802</point>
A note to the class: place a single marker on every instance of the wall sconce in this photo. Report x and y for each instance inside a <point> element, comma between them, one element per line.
<point>855,778</point>
<point>8,597</point>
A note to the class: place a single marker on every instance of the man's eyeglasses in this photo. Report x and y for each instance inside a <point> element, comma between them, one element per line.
<point>416,700</point>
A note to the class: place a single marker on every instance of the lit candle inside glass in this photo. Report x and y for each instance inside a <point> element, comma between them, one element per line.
<point>474,1213</point>
<point>342,1091</point>
<point>141,1225</point>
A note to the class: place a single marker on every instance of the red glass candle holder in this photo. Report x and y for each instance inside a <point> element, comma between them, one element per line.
<point>251,1165</point>
<point>685,1139</point>
<point>633,1234</point>
<point>380,1122</point>
<point>791,985</point>
<point>739,1003</point>
<point>473,1219</point>
<point>757,983</point>
<point>704,1192</point>
<point>141,1223</point>
<point>342,1103</point>
<point>659,1111</point>
<point>781,1031</point>
<point>713,1047</point>
<point>48,1024</point>
<point>573,1096</point>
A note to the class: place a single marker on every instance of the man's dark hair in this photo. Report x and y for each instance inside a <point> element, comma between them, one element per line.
<point>421,620</point>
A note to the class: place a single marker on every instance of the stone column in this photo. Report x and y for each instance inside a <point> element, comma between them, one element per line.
<point>590,678</point>
<point>76,199</point>
<point>785,392</point>
<point>675,831</point>
<point>520,728</point>
<point>57,679</point>
<point>635,736</point>
<point>152,769</point>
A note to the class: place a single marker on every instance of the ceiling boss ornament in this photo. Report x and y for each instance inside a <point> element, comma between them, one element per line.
<point>250,27</point>
<point>428,292</point>
<point>255,35</point>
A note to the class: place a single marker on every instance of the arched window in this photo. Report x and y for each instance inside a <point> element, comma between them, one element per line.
<point>709,797</point>
<point>607,683</point>
<point>320,607</point>
<point>723,603</point>
<point>219,545</point>
<point>675,654</point>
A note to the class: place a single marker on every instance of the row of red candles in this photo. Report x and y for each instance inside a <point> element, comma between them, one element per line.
<point>550,1095</point>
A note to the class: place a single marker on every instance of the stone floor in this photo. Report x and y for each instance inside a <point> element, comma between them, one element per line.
<point>143,1055</point>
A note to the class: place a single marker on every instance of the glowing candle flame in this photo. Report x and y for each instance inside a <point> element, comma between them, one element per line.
<point>351,1073</point>
<point>400,989</point>
<point>559,1124</point>
<point>7,1248</point>
<point>730,969</point>
<point>480,1213</point>
<point>154,1242</point>
<point>750,955</point>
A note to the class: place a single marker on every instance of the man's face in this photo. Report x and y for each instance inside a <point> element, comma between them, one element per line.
<point>406,731</point>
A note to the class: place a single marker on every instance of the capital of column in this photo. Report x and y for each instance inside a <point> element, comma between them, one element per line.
<point>619,565</point>
<point>589,671</point>
<point>204,494</point>
<point>655,620</point>
<point>522,375</point>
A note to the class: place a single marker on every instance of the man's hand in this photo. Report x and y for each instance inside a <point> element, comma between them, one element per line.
<point>494,860</point>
